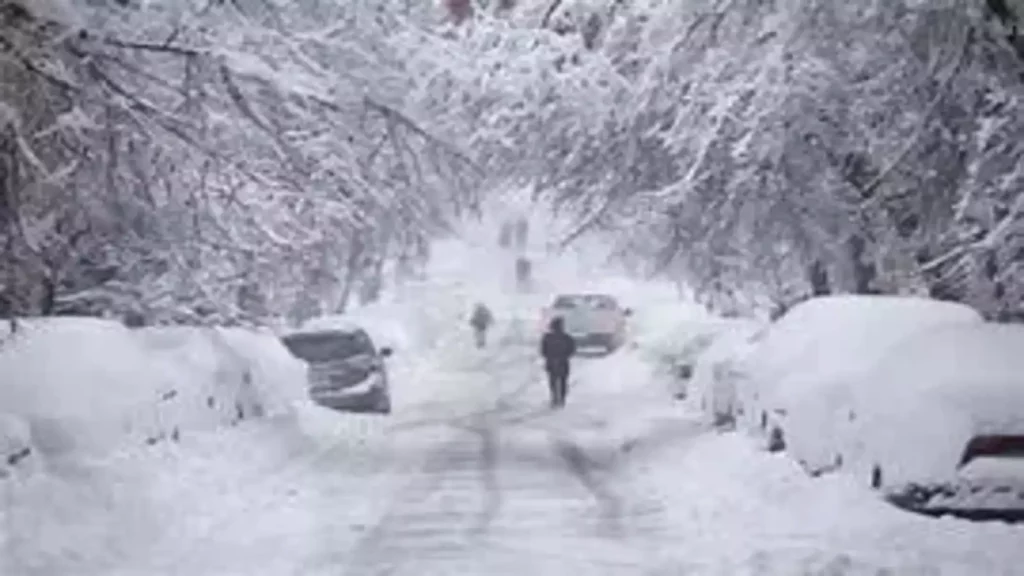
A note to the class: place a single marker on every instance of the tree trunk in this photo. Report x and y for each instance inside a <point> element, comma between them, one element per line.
<point>352,272</point>
<point>817,275</point>
<point>864,273</point>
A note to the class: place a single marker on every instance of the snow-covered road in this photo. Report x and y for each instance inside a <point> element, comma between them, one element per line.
<point>480,477</point>
<point>474,475</point>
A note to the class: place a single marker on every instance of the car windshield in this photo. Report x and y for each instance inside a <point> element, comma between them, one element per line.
<point>328,346</point>
<point>996,446</point>
<point>567,302</point>
<point>594,301</point>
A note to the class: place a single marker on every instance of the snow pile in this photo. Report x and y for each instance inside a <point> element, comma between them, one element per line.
<point>712,388</point>
<point>278,380</point>
<point>738,510</point>
<point>106,516</point>
<point>95,415</point>
<point>82,385</point>
<point>88,386</point>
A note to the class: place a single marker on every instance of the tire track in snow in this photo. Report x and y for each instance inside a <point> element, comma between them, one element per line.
<point>585,470</point>
<point>489,479</point>
<point>484,497</point>
<point>467,464</point>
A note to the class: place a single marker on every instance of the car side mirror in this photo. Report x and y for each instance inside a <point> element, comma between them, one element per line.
<point>387,351</point>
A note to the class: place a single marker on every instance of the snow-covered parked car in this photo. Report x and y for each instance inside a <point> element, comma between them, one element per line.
<point>798,381</point>
<point>938,424</point>
<point>345,370</point>
<point>712,387</point>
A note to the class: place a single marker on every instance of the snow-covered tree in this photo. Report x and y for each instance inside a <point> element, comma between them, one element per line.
<point>850,147</point>
<point>212,161</point>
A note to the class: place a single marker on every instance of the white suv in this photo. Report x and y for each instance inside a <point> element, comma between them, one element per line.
<point>593,320</point>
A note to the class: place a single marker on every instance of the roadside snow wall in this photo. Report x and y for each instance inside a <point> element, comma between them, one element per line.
<point>88,387</point>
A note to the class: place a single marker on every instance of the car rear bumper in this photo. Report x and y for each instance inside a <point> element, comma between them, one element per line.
<point>371,396</point>
<point>595,339</point>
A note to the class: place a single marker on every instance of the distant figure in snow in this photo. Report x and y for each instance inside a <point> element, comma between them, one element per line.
<point>524,274</point>
<point>481,320</point>
<point>522,233</point>
<point>505,235</point>
<point>557,347</point>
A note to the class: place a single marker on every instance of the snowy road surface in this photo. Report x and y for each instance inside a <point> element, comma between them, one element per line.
<point>483,479</point>
<point>477,476</point>
<point>474,475</point>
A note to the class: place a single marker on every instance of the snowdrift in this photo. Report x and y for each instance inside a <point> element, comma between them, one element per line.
<point>712,388</point>
<point>89,387</point>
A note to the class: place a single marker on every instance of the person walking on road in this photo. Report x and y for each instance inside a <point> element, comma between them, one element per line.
<point>524,274</point>
<point>522,232</point>
<point>481,320</point>
<point>557,348</point>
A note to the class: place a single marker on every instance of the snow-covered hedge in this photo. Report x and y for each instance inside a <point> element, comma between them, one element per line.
<point>89,386</point>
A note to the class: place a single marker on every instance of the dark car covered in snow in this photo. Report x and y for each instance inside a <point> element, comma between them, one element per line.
<point>345,370</point>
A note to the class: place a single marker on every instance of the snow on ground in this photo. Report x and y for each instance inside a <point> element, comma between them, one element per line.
<point>740,511</point>
<point>474,474</point>
<point>97,413</point>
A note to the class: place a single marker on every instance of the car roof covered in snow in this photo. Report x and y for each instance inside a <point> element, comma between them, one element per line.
<point>826,339</point>
<point>976,367</point>
<point>587,298</point>
<point>332,323</point>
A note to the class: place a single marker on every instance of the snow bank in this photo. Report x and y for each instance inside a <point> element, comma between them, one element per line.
<point>94,416</point>
<point>712,388</point>
<point>88,386</point>
<point>742,511</point>
<point>83,385</point>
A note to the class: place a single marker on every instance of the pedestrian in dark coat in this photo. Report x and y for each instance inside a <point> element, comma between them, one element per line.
<point>480,321</point>
<point>557,348</point>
